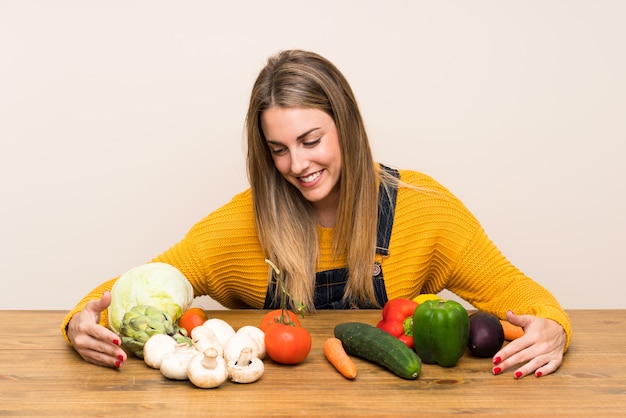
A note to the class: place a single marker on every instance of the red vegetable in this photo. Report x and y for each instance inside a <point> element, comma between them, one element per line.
<point>191,318</point>
<point>279,316</point>
<point>287,344</point>
<point>398,319</point>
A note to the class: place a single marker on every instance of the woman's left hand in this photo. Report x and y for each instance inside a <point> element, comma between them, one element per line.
<point>539,351</point>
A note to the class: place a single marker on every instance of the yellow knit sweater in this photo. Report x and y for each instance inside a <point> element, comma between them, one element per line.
<point>436,243</point>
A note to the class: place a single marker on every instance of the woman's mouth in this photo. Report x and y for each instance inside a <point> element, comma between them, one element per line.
<point>309,179</point>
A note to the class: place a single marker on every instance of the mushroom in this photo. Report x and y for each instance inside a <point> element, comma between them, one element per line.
<point>203,338</point>
<point>238,342</point>
<point>222,329</point>
<point>156,347</point>
<point>247,368</point>
<point>258,335</point>
<point>174,364</point>
<point>207,370</point>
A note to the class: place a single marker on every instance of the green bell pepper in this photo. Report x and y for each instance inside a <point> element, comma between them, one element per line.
<point>440,332</point>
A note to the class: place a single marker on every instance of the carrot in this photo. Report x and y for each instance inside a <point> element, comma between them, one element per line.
<point>337,356</point>
<point>511,332</point>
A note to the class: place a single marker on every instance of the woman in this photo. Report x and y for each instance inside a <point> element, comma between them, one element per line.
<point>318,207</point>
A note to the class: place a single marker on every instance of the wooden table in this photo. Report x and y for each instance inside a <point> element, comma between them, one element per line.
<point>40,375</point>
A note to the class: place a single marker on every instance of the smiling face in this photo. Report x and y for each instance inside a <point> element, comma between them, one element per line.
<point>305,148</point>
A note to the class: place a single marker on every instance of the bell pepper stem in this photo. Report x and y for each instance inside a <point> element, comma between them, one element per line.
<point>408,326</point>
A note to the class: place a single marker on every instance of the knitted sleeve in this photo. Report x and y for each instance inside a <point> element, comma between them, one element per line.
<point>486,279</point>
<point>220,256</point>
<point>437,244</point>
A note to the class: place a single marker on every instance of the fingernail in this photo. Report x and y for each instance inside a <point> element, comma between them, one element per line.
<point>118,364</point>
<point>121,357</point>
<point>518,375</point>
<point>497,360</point>
<point>497,370</point>
<point>116,342</point>
<point>538,374</point>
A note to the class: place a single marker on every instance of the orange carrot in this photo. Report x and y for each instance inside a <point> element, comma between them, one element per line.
<point>511,332</point>
<point>337,356</point>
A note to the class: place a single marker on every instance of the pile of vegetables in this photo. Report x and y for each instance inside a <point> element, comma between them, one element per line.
<point>425,329</point>
<point>441,331</point>
<point>151,311</point>
<point>216,354</point>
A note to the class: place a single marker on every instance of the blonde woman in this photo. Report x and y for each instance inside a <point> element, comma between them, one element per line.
<point>345,231</point>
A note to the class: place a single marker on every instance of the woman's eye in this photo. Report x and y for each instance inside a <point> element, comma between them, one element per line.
<point>312,143</point>
<point>277,151</point>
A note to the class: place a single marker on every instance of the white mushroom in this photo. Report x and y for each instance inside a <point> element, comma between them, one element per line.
<point>156,347</point>
<point>207,370</point>
<point>247,368</point>
<point>238,342</point>
<point>222,329</point>
<point>258,335</point>
<point>174,365</point>
<point>204,338</point>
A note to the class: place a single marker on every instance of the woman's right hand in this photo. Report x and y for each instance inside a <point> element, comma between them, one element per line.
<point>95,344</point>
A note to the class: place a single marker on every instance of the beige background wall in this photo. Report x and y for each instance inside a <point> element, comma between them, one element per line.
<point>121,125</point>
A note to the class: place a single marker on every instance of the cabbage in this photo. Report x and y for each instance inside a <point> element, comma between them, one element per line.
<point>160,285</point>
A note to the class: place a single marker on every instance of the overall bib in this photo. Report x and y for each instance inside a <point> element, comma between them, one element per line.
<point>330,284</point>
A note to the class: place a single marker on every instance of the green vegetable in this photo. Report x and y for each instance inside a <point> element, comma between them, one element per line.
<point>141,323</point>
<point>440,332</point>
<point>380,347</point>
<point>159,285</point>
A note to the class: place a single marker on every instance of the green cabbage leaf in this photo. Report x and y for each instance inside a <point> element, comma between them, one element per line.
<point>160,285</point>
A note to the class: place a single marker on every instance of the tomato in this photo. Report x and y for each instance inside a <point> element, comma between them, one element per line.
<point>273,317</point>
<point>287,344</point>
<point>192,318</point>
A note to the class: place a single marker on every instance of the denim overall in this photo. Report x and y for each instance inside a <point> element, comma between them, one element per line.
<point>330,284</point>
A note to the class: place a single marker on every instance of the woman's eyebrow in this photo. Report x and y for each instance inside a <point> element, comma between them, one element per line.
<point>307,133</point>
<point>299,138</point>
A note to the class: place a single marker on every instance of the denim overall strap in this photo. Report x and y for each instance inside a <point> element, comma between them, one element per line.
<point>330,284</point>
<point>386,212</point>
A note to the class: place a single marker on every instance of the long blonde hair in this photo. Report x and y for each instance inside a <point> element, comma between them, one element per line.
<point>285,223</point>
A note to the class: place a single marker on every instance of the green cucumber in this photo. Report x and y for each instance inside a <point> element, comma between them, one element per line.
<point>375,345</point>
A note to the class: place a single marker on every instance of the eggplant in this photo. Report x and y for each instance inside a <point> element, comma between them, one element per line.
<point>486,335</point>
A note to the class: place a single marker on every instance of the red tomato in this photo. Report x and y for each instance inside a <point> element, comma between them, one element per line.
<point>287,344</point>
<point>273,317</point>
<point>192,318</point>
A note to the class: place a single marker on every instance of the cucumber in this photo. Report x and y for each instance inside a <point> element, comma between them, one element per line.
<point>375,345</point>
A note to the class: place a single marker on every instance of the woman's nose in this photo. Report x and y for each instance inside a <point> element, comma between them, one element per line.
<point>299,162</point>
